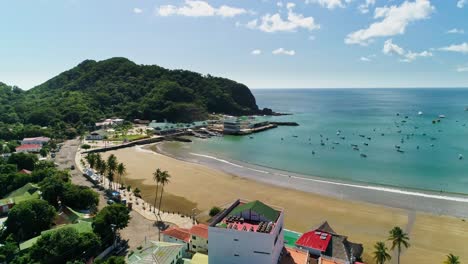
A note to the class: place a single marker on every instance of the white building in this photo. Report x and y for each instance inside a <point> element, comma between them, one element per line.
<point>246,232</point>
<point>35,141</point>
<point>199,238</point>
<point>235,126</point>
<point>29,148</point>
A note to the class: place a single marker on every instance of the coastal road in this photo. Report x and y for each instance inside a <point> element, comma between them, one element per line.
<point>65,158</point>
<point>138,229</point>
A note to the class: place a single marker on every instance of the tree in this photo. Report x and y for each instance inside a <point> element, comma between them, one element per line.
<point>112,215</point>
<point>80,197</point>
<point>214,211</point>
<point>23,160</point>
<point>9,249</point>
<point>43,152</point>
<point>380,254</point>
<point>65,244</point>
<point>452,259</point>
<point>52,189</point>
<point>398,239</point>
<point>157,180</point>
<point>111,168</point>
<point>121,171</point>
<point>163,181</point>
<point>27,219</point>
<point>111,260</point>
<point>91,159</point>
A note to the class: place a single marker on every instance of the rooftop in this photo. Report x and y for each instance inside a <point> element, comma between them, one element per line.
<point>199,230</point>
<point>295,256</point>
<point>315,240</point>
<point>156,252</point>
<point>253,216</point>
<point>179,233</point>
<point>36,139</point>
<point>199,258</point>
<point>28,146</point>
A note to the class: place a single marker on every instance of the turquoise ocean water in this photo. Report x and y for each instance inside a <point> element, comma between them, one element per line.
<point>434,166</point>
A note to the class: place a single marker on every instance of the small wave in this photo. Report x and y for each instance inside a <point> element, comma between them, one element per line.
<point>367,187</point>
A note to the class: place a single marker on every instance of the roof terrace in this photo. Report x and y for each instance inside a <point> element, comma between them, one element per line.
<point>252,216</point>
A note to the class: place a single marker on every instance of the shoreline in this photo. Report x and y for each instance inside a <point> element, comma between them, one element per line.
<point>450,204</point>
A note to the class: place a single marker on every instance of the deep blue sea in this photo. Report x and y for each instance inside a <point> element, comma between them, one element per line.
<point>376,120</point>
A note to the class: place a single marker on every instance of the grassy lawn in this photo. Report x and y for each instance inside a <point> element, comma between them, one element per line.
<point>128,137</point>
<point>290,237</point>
<point>27,192</point>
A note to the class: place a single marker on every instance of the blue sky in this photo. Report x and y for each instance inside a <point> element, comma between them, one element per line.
<point>262,43</point>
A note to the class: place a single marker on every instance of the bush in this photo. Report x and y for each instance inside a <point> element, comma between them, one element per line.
<point>214,211</point>
<point>85,146</point>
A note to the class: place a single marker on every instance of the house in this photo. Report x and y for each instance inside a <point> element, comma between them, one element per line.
<point>35,141</point>
<point>95,135</point>
<point>199,258</point>
<point>28,148</point>
<point>246,232</point>
<point>24,171</point>
<point>180,236</point>
<point>141,122</point>
<point>6,205</point>
<point>295,256</point>
<point>324,243</point>
<point>199,238</point>
<point>158,252</point>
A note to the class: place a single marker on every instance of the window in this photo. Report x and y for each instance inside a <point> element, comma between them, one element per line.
<point>194,237</point>
<point>276,239</point>
<point>194,246</point>
<point>261,252</point>
<point>235,239</point>
<point>236,255</point>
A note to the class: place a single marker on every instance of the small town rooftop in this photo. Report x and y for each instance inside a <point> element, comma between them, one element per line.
<point>253,216</point>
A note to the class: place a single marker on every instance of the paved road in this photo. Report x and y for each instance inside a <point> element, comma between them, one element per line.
<point>65,158</point>
<point>138,228</point>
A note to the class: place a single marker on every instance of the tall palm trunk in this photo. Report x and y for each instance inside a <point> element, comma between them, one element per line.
<point>399,250</point>
<point>160,199</point>
<point>155,198</point>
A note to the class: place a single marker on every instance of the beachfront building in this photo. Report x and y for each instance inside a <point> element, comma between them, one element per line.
<point>158,252</point>
<point>95,135</point>
<point>199,238</point>
<point>109,122</point>
<point>35,141</point>
<point>326,246</point>
<point>180,236</point>
<point>29,148</point>
<point>246,232</point>
<point>236,126</point>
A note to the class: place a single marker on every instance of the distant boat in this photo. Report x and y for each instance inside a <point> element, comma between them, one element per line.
<point>336,143</point>
<point>466,108</point>
<point>295,136</point>
<point>397,146</point>
<point>460,156</point>
<point>363,155</point>
<point>362,135</point>
<point>420,113</point>
<point>441,116</point>
<point>401,151</point>
<point>366,144</point>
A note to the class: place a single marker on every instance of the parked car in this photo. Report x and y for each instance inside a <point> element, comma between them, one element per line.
<point>72,167</point>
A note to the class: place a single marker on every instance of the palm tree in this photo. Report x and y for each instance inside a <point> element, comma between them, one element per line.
<point>399,238</point>
<point>111,168</point>
<point>452,259</point>
<point>91,159</point>
<point>380,254</point>
<point>121,171</point>
<point>164,181</point>
<point>156,178</point>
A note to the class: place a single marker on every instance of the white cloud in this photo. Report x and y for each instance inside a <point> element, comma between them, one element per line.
<point>256,52</point>
<point>330,4</point>
<point>462,69</point>
<point>462,3</point>
<point>462,48</point>
<point>279,4</point>
<point>282,51</point>
<point>365,59</point>
<point>137,10</point>
<point>311,37</point>
<point>406,56</point>
<point>364,8</point>
<point>456,31</point>
<point>196,8</point>
<point>274,23</point>
<point>394,21</point>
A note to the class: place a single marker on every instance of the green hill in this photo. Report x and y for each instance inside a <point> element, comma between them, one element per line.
<point>118,87</point>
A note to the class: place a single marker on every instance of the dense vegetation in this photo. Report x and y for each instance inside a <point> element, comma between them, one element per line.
<point>72,101</point>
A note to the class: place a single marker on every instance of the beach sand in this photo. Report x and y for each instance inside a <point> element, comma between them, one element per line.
<point>196,186</point>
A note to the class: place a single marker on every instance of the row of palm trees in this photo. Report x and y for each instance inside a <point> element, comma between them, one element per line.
<point>108,168</point>
<point>400,239</point>
<point>162,178</point>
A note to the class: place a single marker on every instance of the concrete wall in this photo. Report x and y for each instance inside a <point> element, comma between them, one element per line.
<point>199,244</point>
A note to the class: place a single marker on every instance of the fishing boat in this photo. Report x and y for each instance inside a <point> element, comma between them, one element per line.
<point>401,151</point>
<point>420,113</point>
<point>460,156</point>
<point>441,116</point>
<point>363,155</point>
<point>366,144</point>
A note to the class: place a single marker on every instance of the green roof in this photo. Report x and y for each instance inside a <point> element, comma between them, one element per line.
<point>259,208</point>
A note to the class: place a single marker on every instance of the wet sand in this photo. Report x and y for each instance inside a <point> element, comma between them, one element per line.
<point>194,185</point>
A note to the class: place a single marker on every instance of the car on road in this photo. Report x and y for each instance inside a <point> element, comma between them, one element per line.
<point>72,167</point>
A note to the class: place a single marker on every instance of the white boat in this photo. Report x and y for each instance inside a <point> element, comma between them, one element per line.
<point>460,156</point>
<point>420,113</point>
<point>441,116</point>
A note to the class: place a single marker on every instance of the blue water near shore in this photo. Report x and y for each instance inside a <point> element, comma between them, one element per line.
<point>355,112</point>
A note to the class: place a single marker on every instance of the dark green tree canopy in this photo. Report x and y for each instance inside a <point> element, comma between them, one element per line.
<point>75,99</point>
<point>116,214</point>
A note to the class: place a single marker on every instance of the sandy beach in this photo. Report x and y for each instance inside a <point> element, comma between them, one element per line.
<point>198,186</point>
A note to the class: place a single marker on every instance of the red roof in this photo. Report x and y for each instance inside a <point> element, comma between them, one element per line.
<point>179,233</point>
<point>28,146</point>
<point>199,230</point>
<point>315,240</point>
